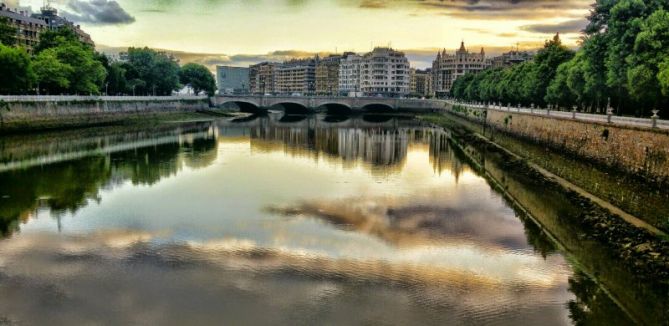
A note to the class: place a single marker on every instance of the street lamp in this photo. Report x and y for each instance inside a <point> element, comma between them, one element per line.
<point>655,117</point>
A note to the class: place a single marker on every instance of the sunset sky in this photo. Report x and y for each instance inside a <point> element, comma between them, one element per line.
<point>240,32</point>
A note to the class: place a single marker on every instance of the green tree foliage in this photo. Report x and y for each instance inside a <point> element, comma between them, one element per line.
<point>546,63</point>
<point>16,72</point>
<point>150,72</point>
<point>526,83</point>
<point>116,80</point>
<point>199,78</point>
<point>73,62</point>
<point>651,52</point>
<point>624,59</point>
<point>558,91</point>
<point>53,76</point>
<point>54,38</point>
<point>663,76</point>
<point>64,65</point>
<point>89,73</point>
<point>7,32</point>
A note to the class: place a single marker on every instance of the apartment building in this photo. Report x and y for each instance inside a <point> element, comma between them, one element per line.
<point>349,73</point>
<point>327,75</point>
<point>297,76</point>
<point>30,26</point>
<point>421,82</point>
<point>262,78</point>
<point>511,58</point>
<point>385,71</point>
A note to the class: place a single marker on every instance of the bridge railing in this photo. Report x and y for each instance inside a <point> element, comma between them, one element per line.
<point>588,117</point>
<point>77,98</point>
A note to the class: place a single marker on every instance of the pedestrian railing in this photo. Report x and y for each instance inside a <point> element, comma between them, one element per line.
<point>76,98</point>
<point>589,117</point>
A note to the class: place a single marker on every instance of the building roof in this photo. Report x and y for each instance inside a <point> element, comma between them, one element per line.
<point>6,12</point>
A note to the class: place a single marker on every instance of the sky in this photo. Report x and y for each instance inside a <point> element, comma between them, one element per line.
<point>242,32</point>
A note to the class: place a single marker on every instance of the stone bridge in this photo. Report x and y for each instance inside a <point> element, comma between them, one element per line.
<point>331,105</point>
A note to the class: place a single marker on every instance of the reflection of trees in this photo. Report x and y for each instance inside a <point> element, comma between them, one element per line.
<point>62,187</point>
<point>536,237</point>
<point>147,165</point>
<point>201,152</point>
<point>67,186</point>
<point>643,298</point>
<point>592,306</point>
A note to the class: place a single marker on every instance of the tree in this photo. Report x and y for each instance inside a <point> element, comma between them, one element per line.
<point>54,38</point>
<point>53,76</point>
<point>151,72</point>
<point>663,77</point>
<point>7,32</point>
<point>546,64</point>
<point>88,74</point>
<point>116,79</point>
<point>558,91</point>
<point>651,51</point>
<point>199,78</point>
<point>16,73</point>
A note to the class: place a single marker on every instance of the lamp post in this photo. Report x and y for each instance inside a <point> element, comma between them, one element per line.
<point>655,117</point>
<point>609,111</point>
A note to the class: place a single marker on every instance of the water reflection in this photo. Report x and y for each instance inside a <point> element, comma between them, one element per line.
<point>67,185</point>
<point>350,222</point>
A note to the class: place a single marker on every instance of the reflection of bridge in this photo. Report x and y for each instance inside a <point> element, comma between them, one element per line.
<point>334,105</point>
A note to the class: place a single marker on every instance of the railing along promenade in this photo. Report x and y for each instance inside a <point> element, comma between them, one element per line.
<point>77,98</point>
<point>653,122</point>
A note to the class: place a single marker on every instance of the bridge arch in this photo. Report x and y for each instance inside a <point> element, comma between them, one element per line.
<point>293,108</point>
<point>244,106</point>
<point>378,107</point>
<point>336,108</point>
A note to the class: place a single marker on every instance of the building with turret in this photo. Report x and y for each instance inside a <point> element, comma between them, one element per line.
<point>447,68</point>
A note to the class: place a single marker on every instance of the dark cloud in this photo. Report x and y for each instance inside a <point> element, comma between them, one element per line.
<point>569,26</point>
<point>99,12</point>
<point>482,9</point>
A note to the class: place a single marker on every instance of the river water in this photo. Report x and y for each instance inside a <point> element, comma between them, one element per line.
<point>274,221</point>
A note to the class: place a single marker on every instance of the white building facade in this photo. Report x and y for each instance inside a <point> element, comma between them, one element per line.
<point>385,71</point>
<point>349,74</point>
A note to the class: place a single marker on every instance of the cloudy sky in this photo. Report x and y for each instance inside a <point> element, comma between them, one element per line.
<point>240,32</point>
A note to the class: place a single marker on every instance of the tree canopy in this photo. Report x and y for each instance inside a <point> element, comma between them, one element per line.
<point>16,71</point>
<point>151,72</point>
<point>199,78</point>
<point>623,60</point>
<point>63,64</point>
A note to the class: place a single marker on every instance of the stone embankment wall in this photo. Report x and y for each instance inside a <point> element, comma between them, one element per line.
<point>643,151</point>
<point>43,113</point>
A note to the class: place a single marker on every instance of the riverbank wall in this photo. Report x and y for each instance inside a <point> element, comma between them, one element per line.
<point>26,113</point>
<point>635,150</point>
<point>606,249</point>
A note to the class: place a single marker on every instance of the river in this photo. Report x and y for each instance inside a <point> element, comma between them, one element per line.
<point>287,220</point>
